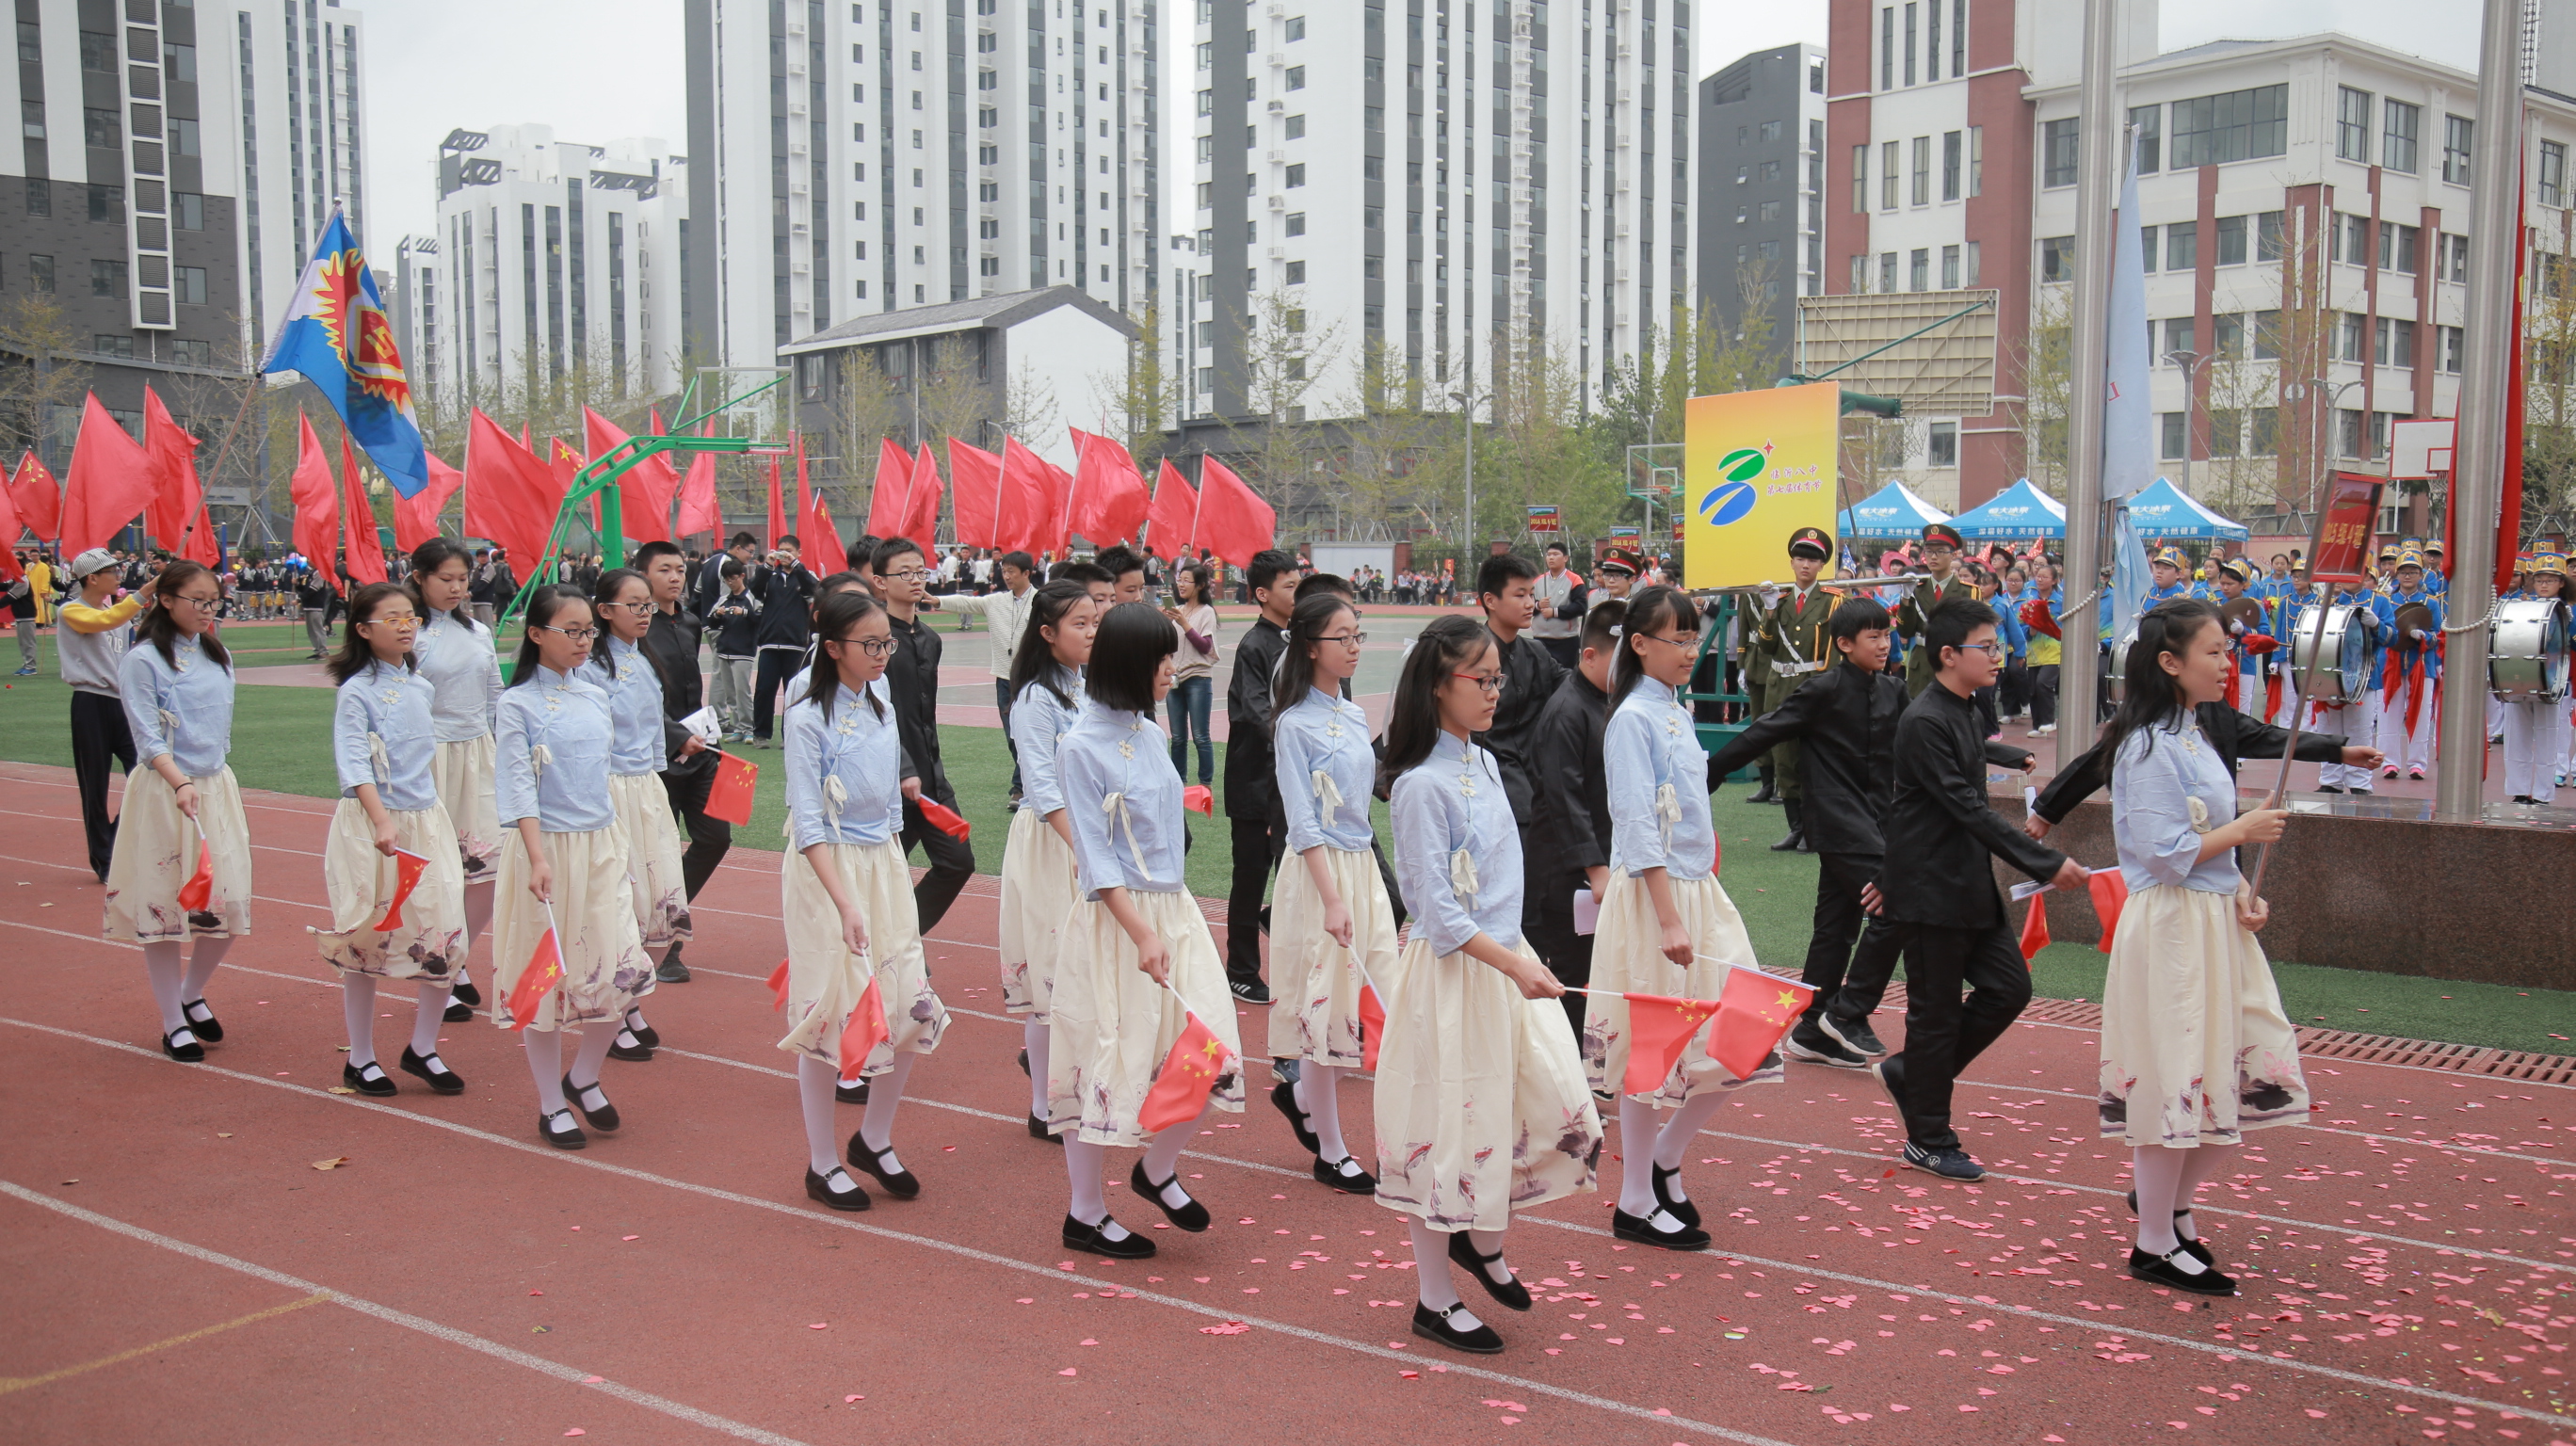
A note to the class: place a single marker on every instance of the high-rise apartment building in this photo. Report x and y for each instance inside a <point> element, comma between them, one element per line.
<point>864,157</point>
<point>1762,187</point>
<point>1417,184</point>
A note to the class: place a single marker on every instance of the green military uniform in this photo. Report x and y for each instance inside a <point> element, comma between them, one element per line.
<point>1916,610</point>
<point>1793,634</point>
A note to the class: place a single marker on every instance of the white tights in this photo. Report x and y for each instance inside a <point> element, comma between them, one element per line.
<point>358,1006</point>
<point>1034,1037</point>
<point>545,1062</point>
<point>885,1096</point>
<point>1642,1142</point>
<point>174,983</point>
<point>2167,1180</point>
<point>815,1080</point>
<point>478,917</point>
<point>635,1012</point>
<point>1086,1166</point>
<point>1431,1266</point>
<point>1318,1092</point>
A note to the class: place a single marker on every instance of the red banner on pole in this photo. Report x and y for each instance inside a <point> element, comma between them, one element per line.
<point>2352,515</point>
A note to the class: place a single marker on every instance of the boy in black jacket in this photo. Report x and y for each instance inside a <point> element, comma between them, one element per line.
<point>1573,805</point>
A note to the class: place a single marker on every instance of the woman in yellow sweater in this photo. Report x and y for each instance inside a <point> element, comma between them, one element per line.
<point>91,645</point>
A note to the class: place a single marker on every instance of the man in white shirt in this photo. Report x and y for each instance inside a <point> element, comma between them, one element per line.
<point>1006,614</point>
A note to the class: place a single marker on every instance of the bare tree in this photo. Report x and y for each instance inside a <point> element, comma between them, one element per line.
<point>38,371</point>
<point>2549,393</point>
<point>1140,400</point>
<point>2043,357</point>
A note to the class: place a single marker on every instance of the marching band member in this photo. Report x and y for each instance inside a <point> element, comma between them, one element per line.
<point>2535,731</point>
<point>1059,623</point>
<point>2410,685</point>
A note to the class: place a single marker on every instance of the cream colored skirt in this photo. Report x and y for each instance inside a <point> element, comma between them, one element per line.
<point>430,942</point>
<point>1111,1026</point>
<point>1317,981</point>
<point>652,857</point>
<point>1628,956</point>
<point>1481,1105</point>
<point>605,967</point>
<point>463,773</point>
<point>156,853</point>
<point>1038,891</point>
<point>825,980</point>
<point>2195,1047</point>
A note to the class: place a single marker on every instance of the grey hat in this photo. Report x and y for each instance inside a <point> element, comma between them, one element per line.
<point>96,559</point>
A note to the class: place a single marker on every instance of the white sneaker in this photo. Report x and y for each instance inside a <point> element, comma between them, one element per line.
<point>2043,730</point>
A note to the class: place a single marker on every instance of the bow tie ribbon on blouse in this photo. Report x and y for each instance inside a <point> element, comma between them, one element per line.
<point>377,759</point>
<point>539,756</point>
<point>1462,875</point>
<point>834,795</point>
<point>1668,811</point>
<point>1328,795</point>
<point>1115,805</point>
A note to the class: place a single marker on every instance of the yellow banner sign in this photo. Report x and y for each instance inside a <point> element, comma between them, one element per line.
<point>1756,467</point>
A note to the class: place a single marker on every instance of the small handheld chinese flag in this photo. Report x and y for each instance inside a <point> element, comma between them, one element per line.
<point>1199,798</point>
<point>2034,929</point>
<point>729,797</point>
<point>778,986</point>
<point>1372,1023</point>
<point>2110,892</point>
<point>408,867</point>
<point>199,890</point>
<point>1753,1011</point>
<point>1197,1061</point>
<point>943,818</point>
<point>1659,1028</point>
<point>867,1029</point>
<point>544,972</point>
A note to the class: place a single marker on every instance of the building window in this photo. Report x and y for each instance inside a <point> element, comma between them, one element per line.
<point>1949,268</point>
<point>31,119</point>
<point>2057,258</point>
<point>1951,159</point>
<point>2393,343</point>
<point>2453,262</point>
<point>2178,338</point>
<point>2449,349</point>
<point>1296,77</point>
<point>2182,247</point>
<point>1887,48</point>
<point>183,136</point>
<point>2553,173</point>
<point>1296,127</point>
<point>2239,125</point>
<point>2402,124</point>
<point>107,277</point>
<point>2147,123</point>
<point>1909,42</point>
<point>1976,160</point>
<point>2267,336</point>
<point>2176,427</point>
<point>2353,338</point>
<point>1296,27</point>
<point>1958,37</point>
<point>99,129</point>
<point>193,353</point>
<point>1887,271</point>
<point>40,275</point>
<point>1974,271</point>
<point>1887,175</point>
<point>2231,240</point>
<point>1943,445</point>
<point>191,285</point>
<point>1296,175</point>
<point>2057,146</point>
<point>1296,275</point>
<point>2398,246</point>
<point>1860,180</point>
<point>1932,41</point>
<point>2265,425</point>
<point>2271,238</point>
<point>2147,247</point>
<point>1922,171</point>
<point>2226,431</point>
<point>2352,125</point>
<point>107,344</point>
<point>2457,130</point>
<point>1918,270</point>
<point>2227,335</point>
<point>188,210</point>
<point>107,205</point>
<point>1859,274</point>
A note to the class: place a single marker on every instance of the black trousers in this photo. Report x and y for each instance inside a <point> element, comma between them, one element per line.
<point>2043,694</point>
<point>777,665</point>
<point>1943,1036</point>
<point>1257,851</point>
<point>951,860</point>
<point>710,838</point>
<point>1550,929</point>
<point>98,735</point>
<point>1831,969</point>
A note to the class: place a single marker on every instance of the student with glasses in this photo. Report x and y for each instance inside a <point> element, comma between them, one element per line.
<point>912,684</point>
<point>633,679</point>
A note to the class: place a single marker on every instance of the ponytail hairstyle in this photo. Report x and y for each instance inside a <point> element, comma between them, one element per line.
<point>1314,615</point>
<point>427,558</point>
<point>835,614</point>
<point>161,630</point>
<point>354,655</point>
<point>1650,610</point>
<point>600,592</point>
<point>1448,645</point>
<point>1035,660</point>
<point>547,604</point>
<point>2153,698</point>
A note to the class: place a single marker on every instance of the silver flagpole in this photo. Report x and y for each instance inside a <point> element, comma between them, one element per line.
<point>2097,190</point>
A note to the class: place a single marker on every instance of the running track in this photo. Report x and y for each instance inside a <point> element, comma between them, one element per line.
<point>2407,1263</point>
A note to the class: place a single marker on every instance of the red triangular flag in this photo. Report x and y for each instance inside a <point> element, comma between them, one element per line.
<point>1234,523</point>
<point>366,550</point>
<point>1372,1024</point>
<point>544,972</point>
<point>777,505</point>
<point>111,482</point>
<point>1173,514</point>
<point>730,796</point>
<point>1109,493</point>
<point>977,476</point>
<point>510,496</point>
<point>943,818</point>
<point>923,525</point>
<point>316,495</point>
<point>2110,892</point>
<point>2034,928</point>
<point>1753,1011</point>
<point>1197,1061</point>
<point>2509,509</point>
<point>890,495</point>
<point>867,1029</point>
<point>200,887</point>
<point>698,510</point>
<point>1659,1027</point>
<point>1199,798</point>
<point>644,492</point>
<point>38,497</point>
<point>778,986</point>
<point>416,516</point>
<point>408,867</point>
<point>171,452</point>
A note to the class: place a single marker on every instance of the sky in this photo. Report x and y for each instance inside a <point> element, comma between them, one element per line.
<point>602,70</point>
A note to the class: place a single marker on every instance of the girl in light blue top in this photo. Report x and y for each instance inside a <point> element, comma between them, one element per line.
<point>564,868</point>
<point>637,755</point>
<point>1037,863</point>
<point>852,932</point>
<point>2195,1047</point>
<point>389,821</point>
<point>1667,926</point>
<point>1481,1105</point>
<point>1332,926</point>
<point>1136,961</point>
<point>183,812</point>
<point>456,654</point>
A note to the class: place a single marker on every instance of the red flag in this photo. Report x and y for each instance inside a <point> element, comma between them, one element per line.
<point>777,505</point>
<point>1109,493</point>
<point>1028,510</point>
<point>1234,522</point>
<point>566,467</point>
<point>39,498</point>
<point>544,972</point>
<point>922,525</point>
<point>698,510</point>
<point>9,529</point>
<point>867,1029</point>
<point>644,492</point>
<point>1372,1024</point>
<point>199,890</point>
<point>366,548</point>
<point>729,797</point>
<point>941,817</point>
<point>510,496</point>
<point>171,452</point>
<point>822,539</point>
<point>2272,696</point>
<point>1197,1061</point>
<point>2110,892</point>
<point>1059,529</point>
<point>1199,798</point>
<point>408,867</point>
<point>2034,928</point>
<point>316,494</point>
<point>1659,1028</point>
<point>890,496</point>
<point>416,517</point>
<point>2509,514</point>
<point>1753,1011</point>
<point>111,482</point>
<point>778,986</point>
<point>1174,513</point>
<point>978,478</point>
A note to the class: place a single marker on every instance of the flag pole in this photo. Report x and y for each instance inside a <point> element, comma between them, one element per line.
<point>2097,182</point>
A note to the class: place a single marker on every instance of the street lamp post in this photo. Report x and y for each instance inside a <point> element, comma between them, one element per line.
<point>2191,363</point>
<point>1467,410</point>
<point>2331,395</point>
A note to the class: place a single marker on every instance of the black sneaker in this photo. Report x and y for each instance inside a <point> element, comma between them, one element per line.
<point>1817,1047</point>
<point>1855,1035</point>
<point>1251,991</point>
<point>671,970</point>
<point>1950,1164</point>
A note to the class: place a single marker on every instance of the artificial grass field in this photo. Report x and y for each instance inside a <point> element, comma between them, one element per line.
<point>281,742</point>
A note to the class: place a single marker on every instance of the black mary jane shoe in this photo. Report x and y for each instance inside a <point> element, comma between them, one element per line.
<point>457,1012</point>
<point>558,1130</point>
<point>442,1079</point>
<point>637,1053</point>
<point>1038,1131</point>
<point>2161,1270</point>
<point>648,1036</point>
<point>850,1092</point>
<point>2197,1249</point>
<point>1344,1175</point>
<point>1089,1240</point>
<point>1024,1064</point>
<point>1462,1251</point>
<point>1191,1216</point>
<point>189,1053</point>
<point>819,1187</point>
<point>1433,1325</point>
<point>901,1184</point>
<point>1681,1210</point>
<point>355,1077</point>
<point>466,994</point>
<point>209,1029</point>
<point>1643,1232</point>
<point>1284,1096</point>
<point>604,1119</point>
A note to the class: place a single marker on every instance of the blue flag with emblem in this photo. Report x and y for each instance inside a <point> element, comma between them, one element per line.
<point>337,336</point>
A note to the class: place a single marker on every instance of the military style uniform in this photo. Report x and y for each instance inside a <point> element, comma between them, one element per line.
<point>1911,615</point>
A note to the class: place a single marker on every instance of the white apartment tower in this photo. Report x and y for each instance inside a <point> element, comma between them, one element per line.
<point>1426,181</point>
<point>551,258</point>
<point>300,102</point>
<point>864,157</point>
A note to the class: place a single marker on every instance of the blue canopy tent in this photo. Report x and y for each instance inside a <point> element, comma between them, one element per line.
<point>1892,512</point>
<point>2019,511</point>
<point>2162,510</point>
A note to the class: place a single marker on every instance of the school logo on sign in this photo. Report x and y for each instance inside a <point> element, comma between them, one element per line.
<point>1734,497</point>
<point>1747,500</point>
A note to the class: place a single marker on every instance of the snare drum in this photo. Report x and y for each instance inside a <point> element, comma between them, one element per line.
<point>2343,644</point>
<point>2527,651</point>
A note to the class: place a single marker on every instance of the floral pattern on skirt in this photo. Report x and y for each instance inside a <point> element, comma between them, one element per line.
<point>2195,1047</point>
<point>1111,1026</point>
<point>652,857</point>
<point>1480,1100</point>
<point>605,967</point>
<point>1317,981</point>
<point>156,853</point>
<point>825,980</point>
<point>1038,892</point>
<point>462,771</point>
<point>430,943</point>
<point>1628,956</point>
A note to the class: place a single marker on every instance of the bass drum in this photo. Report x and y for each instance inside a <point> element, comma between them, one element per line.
<point>2343,644</point>
<point>2527,651</point>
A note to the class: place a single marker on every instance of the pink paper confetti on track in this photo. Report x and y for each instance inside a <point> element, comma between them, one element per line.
<point>1067,1371</point>
<point>820,1325</point>
<point>1229,1328</point>
<point>845,1400</point>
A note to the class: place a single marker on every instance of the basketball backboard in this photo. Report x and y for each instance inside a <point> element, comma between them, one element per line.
<point>2420,449</point>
